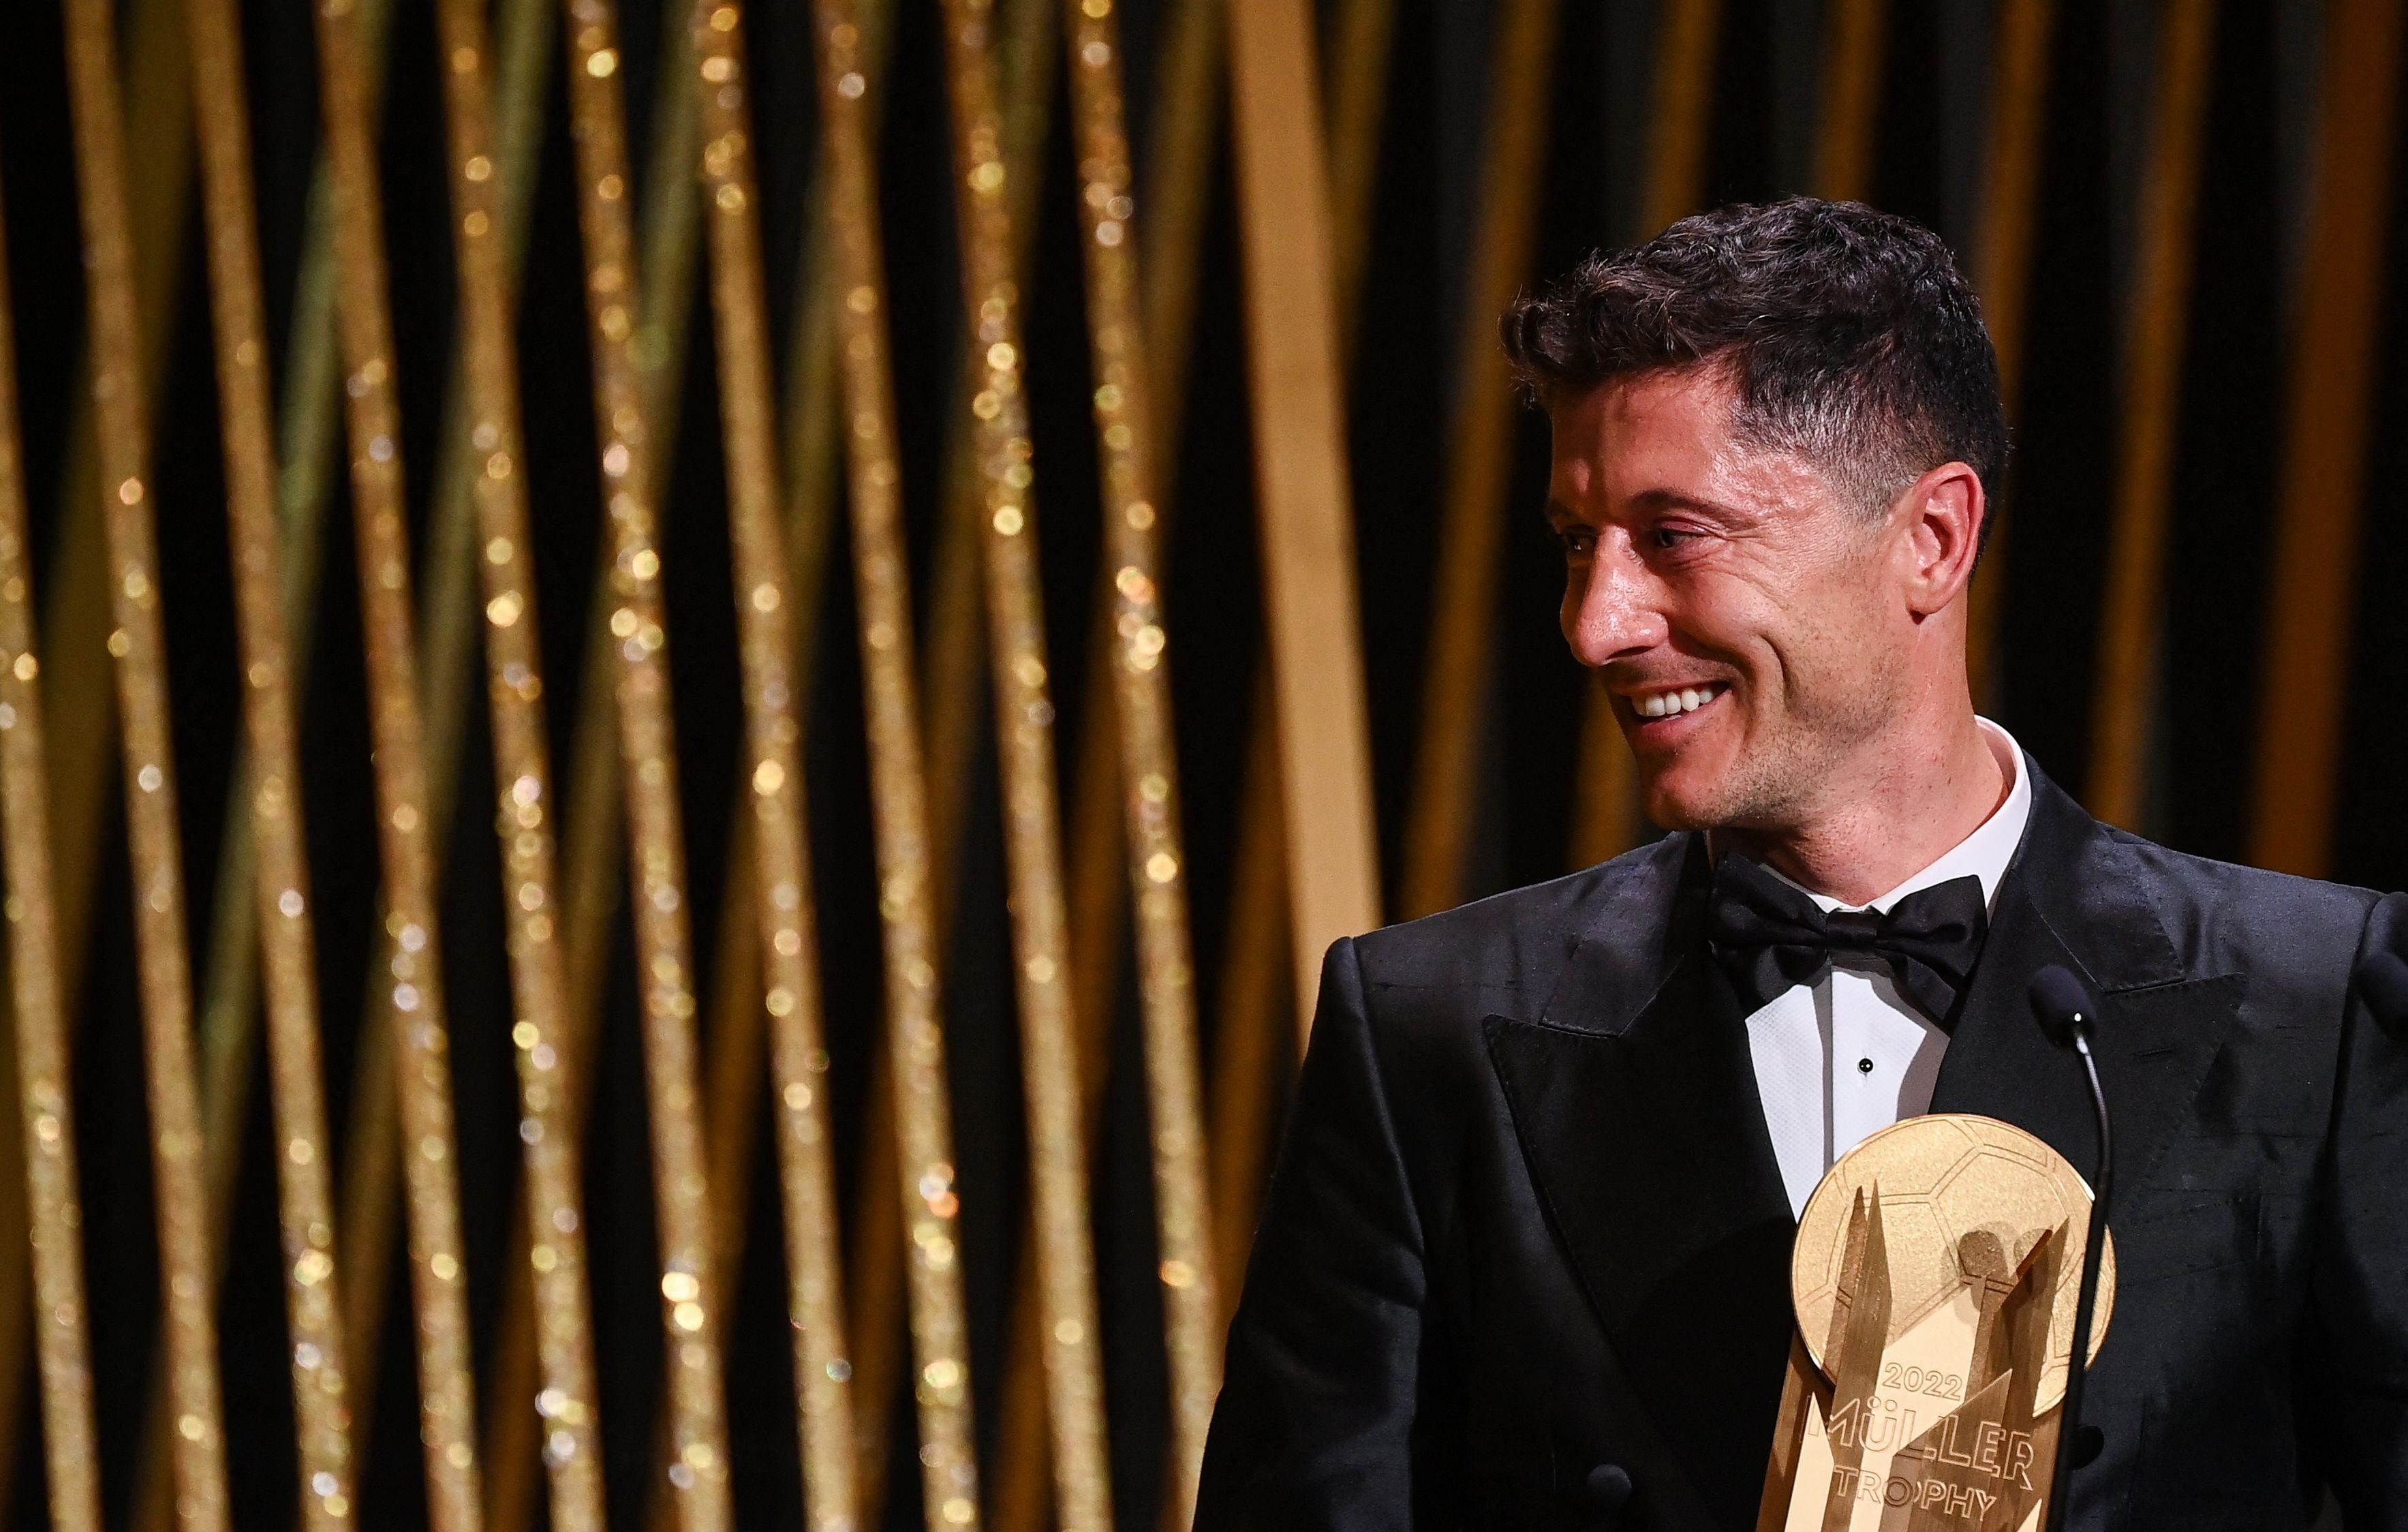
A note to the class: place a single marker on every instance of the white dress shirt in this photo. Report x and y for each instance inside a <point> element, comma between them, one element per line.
<point>1840,1059</point>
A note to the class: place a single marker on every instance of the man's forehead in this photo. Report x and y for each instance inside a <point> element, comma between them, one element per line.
<point>1646,427</point>
<point>1691,400</point>
<point>1667,437</point>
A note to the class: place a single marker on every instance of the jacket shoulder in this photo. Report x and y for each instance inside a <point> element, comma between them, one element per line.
<point>1515,943</point>
<point>2279,929</point>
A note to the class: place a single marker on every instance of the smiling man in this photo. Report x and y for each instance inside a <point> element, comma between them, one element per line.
<point>1524,1263</point>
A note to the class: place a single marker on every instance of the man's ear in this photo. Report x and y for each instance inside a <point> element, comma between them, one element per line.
<point>1941,516</point>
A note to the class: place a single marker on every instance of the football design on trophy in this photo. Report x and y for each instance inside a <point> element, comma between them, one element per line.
<point>1935,1277</point>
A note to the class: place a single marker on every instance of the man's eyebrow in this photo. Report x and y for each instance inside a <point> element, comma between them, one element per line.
<point>1667,499</point>
<point>1658,500</point>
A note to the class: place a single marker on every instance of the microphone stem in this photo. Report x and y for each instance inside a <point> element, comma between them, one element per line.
<point>2094,1247</point>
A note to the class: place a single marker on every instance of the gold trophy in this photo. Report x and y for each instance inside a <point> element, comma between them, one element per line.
<point>1936,1278</point>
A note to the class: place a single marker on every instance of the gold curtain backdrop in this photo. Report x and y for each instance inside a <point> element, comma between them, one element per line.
<point>687,687</point>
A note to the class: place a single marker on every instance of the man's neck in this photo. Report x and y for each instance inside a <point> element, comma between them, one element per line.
<point>1898,820</point>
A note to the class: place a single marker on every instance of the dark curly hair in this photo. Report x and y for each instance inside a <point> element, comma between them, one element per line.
<point>1849,334</point>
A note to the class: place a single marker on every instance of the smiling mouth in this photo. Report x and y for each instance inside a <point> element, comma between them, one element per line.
<point>1674,702</point>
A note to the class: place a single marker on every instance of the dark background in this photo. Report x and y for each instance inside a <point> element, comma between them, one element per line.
<point>2235,379</point>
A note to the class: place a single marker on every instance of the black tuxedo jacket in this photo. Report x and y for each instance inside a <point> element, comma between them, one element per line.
<point>1526,1219</point>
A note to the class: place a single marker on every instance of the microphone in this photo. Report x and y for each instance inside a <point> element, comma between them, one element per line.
<point>2065,1011</point>
<point>2382,984</point>
<point>1608,1489</point>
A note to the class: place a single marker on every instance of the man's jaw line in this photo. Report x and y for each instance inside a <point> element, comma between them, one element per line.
<point>1854,835</point>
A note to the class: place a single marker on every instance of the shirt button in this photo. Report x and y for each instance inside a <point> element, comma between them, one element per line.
<point>1864,1066</point>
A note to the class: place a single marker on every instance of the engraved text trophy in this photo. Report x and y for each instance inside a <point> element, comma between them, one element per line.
<point>1935,1278</point>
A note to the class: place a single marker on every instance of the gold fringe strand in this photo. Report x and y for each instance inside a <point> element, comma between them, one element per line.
<point>923,1112</point>
<point>569,1401</point>
<point>1024,717</point>
<point>647,753</point>
<point>122,438</point>
<point>45,1078</point>
<point>587,836</point>
<point>279,862</point>
<point>782,896</point>
<point>421,1045</point>
<point>1150,769</point>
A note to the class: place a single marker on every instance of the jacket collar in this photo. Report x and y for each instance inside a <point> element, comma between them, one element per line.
<point>2079,895</point>
<point>1629,941</point>
<point>1635,1105</point>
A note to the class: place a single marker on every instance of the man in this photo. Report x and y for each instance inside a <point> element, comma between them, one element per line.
<point>1524,1264</point>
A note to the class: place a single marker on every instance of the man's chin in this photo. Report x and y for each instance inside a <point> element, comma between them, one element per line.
<point>1673,814</point>
<point>1674,804</point>
<point>1697,779</point>
<point>1724,799</point>
<point>1689,794</point>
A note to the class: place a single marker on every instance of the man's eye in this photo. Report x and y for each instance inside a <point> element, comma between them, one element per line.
<point>1669,537</point>
<point>1578,543</point>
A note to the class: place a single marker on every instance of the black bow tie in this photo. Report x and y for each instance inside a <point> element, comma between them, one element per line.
<point>1768,936</point>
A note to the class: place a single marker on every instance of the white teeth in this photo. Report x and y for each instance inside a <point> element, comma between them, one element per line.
<point>1667,704</point>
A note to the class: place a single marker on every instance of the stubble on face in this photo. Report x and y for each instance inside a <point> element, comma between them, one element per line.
<point>1798,748</point>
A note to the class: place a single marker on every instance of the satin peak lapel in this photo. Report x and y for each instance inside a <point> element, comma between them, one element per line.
<point>1636,1108</point>
<point>2075,896</point>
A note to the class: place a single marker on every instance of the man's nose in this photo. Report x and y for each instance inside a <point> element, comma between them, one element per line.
<point>1615,611</point>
